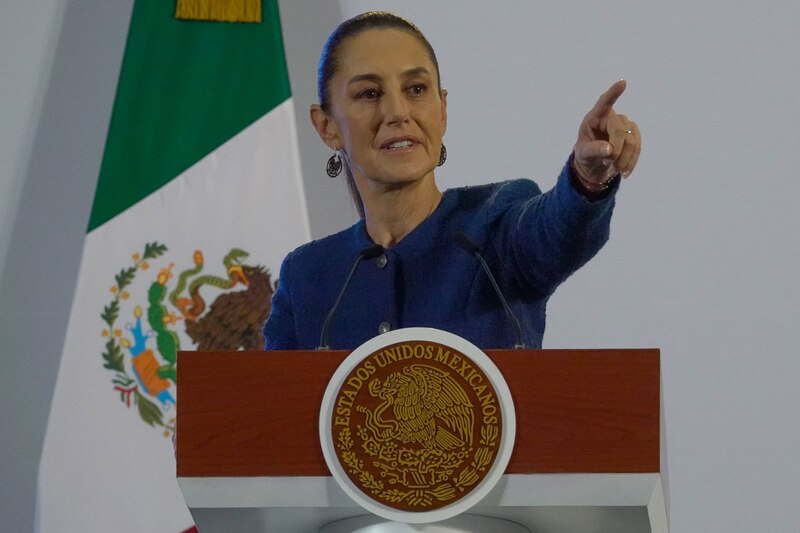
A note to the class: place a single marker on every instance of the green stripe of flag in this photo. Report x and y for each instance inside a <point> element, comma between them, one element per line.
<point>185,88</point>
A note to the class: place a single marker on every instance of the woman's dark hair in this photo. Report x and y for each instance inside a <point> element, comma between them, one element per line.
<point>329,63</point>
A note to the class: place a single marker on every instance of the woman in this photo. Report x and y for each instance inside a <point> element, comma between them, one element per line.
<point>383,112</point>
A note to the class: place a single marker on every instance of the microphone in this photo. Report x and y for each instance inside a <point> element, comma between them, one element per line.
<point>471,248</point>
<point>367,253</point>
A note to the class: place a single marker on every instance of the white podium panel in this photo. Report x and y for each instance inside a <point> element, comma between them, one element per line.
<point>552,503</point>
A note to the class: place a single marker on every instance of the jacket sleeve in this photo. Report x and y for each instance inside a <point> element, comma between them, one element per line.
<point>541,239</point>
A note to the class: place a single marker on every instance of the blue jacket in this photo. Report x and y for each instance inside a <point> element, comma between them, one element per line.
<point>531,241</point>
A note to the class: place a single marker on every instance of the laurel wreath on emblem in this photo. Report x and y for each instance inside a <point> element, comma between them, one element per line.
<point>232,322</point>
<point>114,356</point>
<point>440,492</point>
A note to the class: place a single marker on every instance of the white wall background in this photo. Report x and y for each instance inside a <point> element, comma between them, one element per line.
<point>28,37</point>
<point>704,256</point>
<point>60,61</point>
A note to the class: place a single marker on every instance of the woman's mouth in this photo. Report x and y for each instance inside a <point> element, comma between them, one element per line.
<point>400,144</point>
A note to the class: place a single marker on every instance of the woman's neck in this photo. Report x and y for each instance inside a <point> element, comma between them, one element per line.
<point>393,213</point>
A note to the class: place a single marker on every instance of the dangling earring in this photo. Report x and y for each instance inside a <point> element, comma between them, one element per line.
<point>442,156</point>
<point>334,167</point>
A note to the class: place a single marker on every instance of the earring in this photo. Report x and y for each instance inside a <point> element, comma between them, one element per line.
<point>334,166</point>
<point>442,156</point>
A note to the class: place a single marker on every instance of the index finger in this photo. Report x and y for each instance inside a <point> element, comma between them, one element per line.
<point>609,98</point>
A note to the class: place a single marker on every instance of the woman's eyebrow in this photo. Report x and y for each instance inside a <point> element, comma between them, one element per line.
<point>416,71</point>
<point>364,77</point>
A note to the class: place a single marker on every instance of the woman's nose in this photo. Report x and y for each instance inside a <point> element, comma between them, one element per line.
<point>395,108</point>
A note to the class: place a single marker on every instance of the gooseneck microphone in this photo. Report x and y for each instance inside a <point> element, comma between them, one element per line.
<point>471,248</point>
<point>367,253</point>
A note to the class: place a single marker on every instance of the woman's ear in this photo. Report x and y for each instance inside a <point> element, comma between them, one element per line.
<point>325,126</point>
<point>444,110</point>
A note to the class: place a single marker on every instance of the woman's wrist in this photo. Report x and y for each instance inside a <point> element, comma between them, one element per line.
<point>589,189</point>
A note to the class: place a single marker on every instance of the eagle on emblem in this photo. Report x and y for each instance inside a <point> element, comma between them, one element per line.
<point>233,321</point>
<point>429,408</point>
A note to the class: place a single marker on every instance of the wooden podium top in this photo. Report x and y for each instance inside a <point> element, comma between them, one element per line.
<point>578,411</point>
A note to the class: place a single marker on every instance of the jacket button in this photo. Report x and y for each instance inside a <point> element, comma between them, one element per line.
<point>381,261</point>
<point>384,327</point>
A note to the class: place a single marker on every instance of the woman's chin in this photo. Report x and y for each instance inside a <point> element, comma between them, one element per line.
<point>404,179</point>
<point>407,171</point>
<point>396,174</point>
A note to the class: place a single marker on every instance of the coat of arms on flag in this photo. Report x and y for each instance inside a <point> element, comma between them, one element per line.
<point>150,304</point>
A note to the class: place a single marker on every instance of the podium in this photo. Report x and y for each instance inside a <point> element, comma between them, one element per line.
<point>587,455</point>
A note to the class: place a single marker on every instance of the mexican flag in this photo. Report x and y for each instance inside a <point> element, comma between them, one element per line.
<point>199,198</point>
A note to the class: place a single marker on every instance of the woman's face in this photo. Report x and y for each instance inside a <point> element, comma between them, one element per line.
<point>387,115</point>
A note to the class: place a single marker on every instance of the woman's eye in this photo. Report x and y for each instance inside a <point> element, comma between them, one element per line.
<point>368,94</point>
<point>417,89</point>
